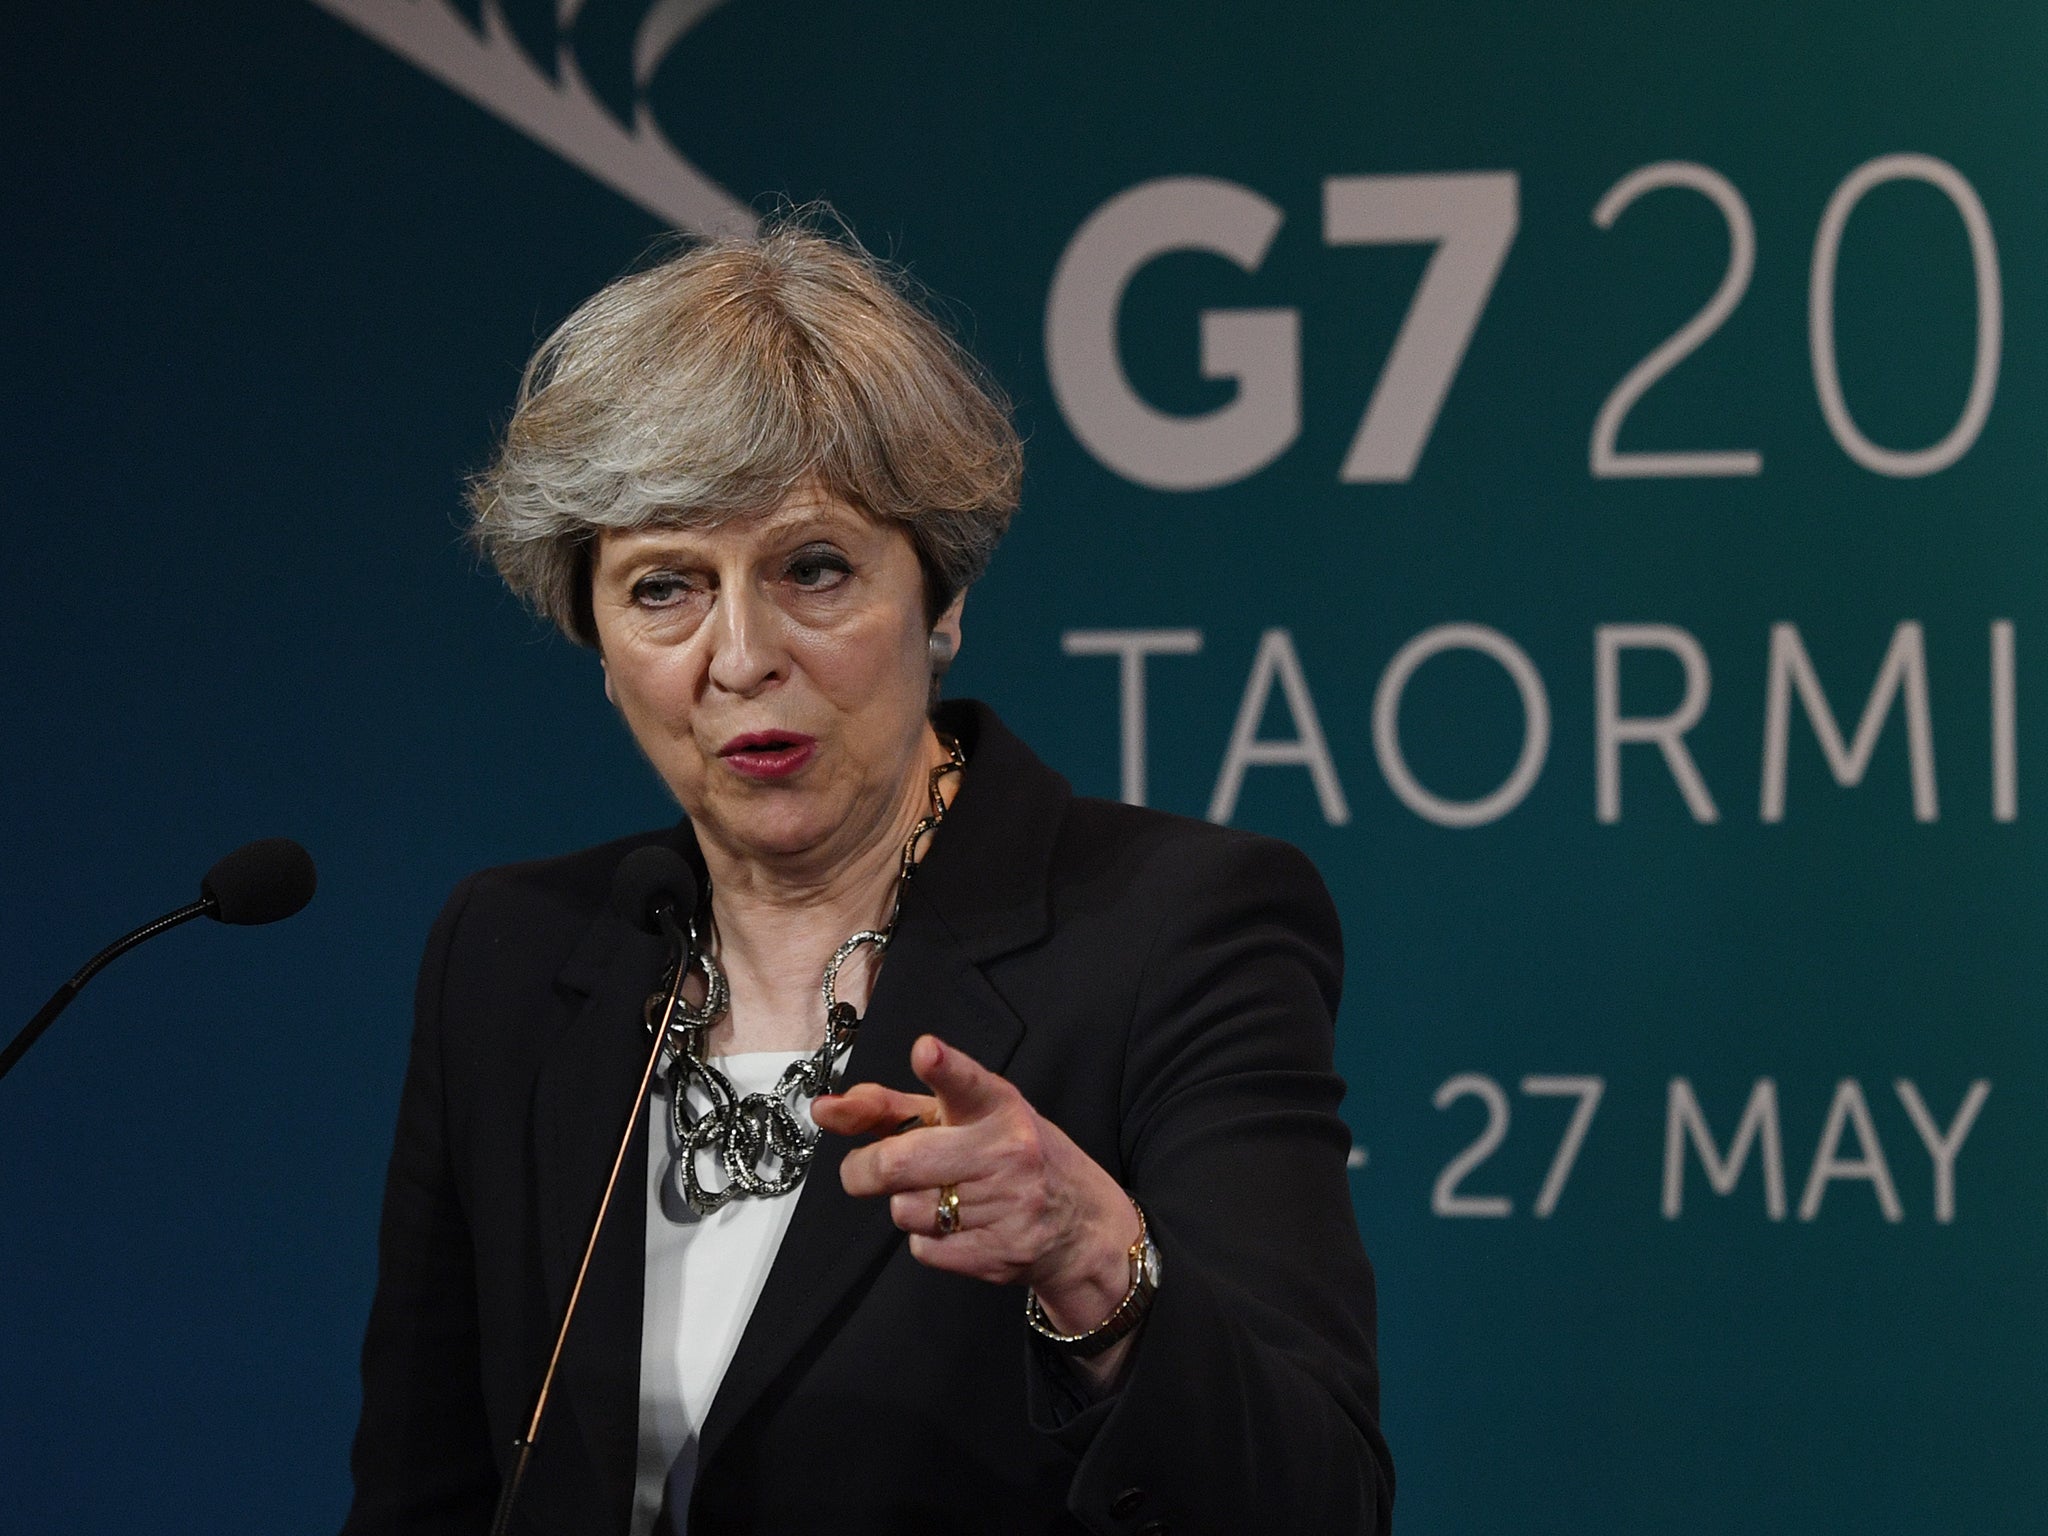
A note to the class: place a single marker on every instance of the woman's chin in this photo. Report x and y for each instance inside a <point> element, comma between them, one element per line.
<point>774,832</point>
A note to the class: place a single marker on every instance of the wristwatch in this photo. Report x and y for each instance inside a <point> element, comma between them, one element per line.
<point>1146,1272</point>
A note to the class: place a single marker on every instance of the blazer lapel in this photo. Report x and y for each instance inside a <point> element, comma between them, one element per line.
<point>582,1098</point>
<point>981,891</point>
<point>835,1243</point>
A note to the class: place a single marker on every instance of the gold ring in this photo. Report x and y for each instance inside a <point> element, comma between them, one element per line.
<point>949,1210</point>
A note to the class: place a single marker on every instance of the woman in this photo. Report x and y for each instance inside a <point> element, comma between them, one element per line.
<point>1006,1190</point>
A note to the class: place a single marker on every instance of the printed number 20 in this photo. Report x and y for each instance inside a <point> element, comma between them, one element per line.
<point>1609,462</point>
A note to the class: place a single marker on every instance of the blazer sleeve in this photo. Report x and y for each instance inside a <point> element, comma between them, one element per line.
<point>422,1459</point>
<point>1250,1400</point>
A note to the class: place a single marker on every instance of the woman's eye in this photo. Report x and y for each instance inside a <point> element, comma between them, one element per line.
<point>660,590</point>
<point>818,570</point>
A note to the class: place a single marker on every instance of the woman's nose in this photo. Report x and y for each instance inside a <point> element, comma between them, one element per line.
<point>746,651</point>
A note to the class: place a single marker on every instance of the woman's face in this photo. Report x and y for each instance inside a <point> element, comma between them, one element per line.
<point>776,672</point>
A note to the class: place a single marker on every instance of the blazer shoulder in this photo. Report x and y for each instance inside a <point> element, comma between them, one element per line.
<point>576,884</point>
<point>534,915</point>
<point>1154,845</point>
<point>1188,877</point>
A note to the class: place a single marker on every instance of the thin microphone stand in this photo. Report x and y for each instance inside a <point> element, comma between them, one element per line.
<point>61,998</point>
<point>522,1448</point>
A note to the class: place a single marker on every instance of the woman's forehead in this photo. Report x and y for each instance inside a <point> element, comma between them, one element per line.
<point>805,510</point>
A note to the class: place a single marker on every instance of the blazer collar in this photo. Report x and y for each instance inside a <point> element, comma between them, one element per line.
<point>988,874</point>
<point>981,891</point>
<point>836,1244</point>
<point>582,1098</point>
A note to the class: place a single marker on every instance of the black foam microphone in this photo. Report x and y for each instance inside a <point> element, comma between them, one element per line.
<point>654,891</point>
<point>259,882</point>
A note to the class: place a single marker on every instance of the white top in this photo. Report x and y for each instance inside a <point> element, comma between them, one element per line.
<point>704,1274</point>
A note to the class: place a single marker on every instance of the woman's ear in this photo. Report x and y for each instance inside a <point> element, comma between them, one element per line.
<point>607,671</point>
<point>945,641</point>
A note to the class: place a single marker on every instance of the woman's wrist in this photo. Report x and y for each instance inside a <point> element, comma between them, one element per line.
<point>1084,1293</point>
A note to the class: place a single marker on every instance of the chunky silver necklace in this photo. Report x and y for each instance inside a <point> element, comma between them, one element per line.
<point>759,1140</point>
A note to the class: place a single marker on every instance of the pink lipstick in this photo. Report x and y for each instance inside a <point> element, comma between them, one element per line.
<point>768,754</point>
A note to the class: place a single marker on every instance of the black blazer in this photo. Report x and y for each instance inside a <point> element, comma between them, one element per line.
<point>1162,989</point>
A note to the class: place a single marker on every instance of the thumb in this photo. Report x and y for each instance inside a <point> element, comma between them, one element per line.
<point>966,1089</point>
<point>867,1108</point>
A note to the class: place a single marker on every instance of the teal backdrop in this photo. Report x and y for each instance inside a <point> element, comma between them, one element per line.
<point>1577,470</point>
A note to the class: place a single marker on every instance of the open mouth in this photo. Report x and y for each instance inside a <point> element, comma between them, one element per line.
<point>768,754</point>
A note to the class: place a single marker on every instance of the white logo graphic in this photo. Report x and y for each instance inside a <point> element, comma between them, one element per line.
<point>492,70</point>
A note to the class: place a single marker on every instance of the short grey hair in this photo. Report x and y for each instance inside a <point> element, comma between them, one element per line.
<point>717,381</point>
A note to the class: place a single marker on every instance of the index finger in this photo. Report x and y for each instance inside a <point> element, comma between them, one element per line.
<point>966,1089</point>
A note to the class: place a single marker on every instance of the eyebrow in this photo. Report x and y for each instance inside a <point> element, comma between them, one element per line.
<point>654,540</point>
<point>773,523</point>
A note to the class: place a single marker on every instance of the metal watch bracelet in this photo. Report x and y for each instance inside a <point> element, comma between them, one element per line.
<point>1145,1277</point>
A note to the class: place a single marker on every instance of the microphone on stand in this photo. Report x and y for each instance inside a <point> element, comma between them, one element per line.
<point>260,882</point>
<point>655,891</point>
